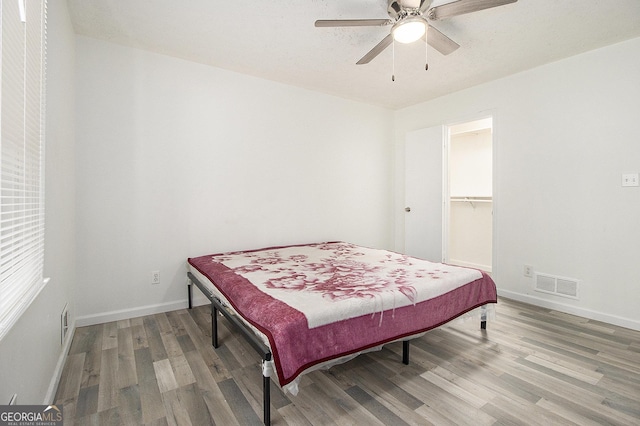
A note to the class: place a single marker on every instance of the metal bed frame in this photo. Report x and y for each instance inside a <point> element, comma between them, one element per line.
<point>261,348</point>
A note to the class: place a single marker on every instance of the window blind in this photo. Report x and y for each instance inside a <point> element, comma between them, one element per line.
<point>22,112</point>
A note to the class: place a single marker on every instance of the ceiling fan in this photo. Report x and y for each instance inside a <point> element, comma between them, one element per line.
<point>410,22</point>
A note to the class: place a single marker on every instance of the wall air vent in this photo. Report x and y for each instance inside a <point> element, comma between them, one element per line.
<point>64,323</point>
<point>560,286</point>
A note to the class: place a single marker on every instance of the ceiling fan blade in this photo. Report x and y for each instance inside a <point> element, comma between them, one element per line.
<point>376,50</point>
<point>461,7</point>
<point>440,42</point>
<point>353,22</point>
<point>424,5</point>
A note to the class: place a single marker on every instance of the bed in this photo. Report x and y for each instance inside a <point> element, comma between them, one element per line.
<point>310,306</point>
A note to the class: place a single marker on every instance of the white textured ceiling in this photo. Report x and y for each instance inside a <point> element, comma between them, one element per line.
<point>277,40</point>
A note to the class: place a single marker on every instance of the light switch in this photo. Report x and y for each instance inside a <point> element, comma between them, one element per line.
<point>630,179</point>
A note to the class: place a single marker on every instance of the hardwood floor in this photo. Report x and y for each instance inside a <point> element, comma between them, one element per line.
<point>531,366</point>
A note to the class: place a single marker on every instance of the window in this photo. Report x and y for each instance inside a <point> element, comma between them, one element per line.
<point>22,112</point>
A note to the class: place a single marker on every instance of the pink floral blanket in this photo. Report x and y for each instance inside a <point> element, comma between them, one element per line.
<point>318,302</point>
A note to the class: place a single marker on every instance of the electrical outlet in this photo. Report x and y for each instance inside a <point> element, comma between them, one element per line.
<point>528,271</point>
<point>630,179</point>
<point>155,277</point>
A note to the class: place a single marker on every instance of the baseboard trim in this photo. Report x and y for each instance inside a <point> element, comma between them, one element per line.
<point>574,310</point>
<point>57,373</point>
<point>123,314</point>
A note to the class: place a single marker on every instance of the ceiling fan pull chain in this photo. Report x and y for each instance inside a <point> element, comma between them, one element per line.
<point>393,61</point>
<point>426,50</point>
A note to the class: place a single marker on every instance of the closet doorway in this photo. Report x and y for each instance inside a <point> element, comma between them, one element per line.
<point>468,206</point>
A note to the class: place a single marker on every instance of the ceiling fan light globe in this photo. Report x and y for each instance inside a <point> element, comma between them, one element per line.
<point>409,30</point>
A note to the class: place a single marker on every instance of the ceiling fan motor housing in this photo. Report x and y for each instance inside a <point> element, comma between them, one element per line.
<point>400,9</point>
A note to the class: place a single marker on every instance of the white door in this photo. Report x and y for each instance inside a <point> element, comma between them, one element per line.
<point>423,193</point>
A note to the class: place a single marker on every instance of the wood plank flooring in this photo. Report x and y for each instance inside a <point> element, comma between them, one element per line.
<point>531,366</point>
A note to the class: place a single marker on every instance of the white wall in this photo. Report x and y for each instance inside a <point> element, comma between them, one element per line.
<point>563,134</point>
<point>177,159</point>
<point>470,164</point>
<point>31,354</point>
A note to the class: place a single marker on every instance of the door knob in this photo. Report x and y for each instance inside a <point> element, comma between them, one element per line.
<point>407,209</point>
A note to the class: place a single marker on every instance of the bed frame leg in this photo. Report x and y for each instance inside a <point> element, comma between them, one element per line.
<point>266,396</point>
<point>214,326</point>
<point>405,352</point>
<point>483,317</point>
<point>189,291</point>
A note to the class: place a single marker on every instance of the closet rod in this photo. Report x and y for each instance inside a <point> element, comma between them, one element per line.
<point>472,200</point>
<point>480,199</point>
